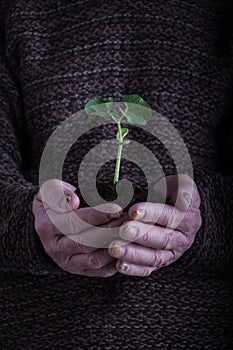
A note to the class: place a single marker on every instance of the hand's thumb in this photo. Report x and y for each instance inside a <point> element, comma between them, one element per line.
<point>178,190</point>
<point>58,196</point>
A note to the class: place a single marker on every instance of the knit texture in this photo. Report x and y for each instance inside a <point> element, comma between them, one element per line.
<point>54,57</point>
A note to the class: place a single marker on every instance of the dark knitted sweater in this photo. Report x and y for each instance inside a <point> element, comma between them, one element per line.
<point>55,56</point>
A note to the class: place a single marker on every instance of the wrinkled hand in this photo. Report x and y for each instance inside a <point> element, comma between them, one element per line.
<point>68,234</point>
<point>171,233</point>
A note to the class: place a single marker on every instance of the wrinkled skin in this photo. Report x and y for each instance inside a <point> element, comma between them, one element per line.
<point>161,234</point>
<point>152,246</point>
<point>52,212</point>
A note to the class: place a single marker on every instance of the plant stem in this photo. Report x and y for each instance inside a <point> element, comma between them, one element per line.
<point>119,153</point>
<point>118,163</point>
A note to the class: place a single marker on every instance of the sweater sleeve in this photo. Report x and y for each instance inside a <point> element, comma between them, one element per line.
<point>20,247</point>
<point>213,245</point>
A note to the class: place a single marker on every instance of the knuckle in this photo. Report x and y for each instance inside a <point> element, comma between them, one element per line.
<point>145,238</point>
<point>187,241</point>
<point>167,239</point>
<point>146,272</point>
<point>193,222</point>
<point>94,262</point>
<point>185,225</point>
<point>131,254</point>
<point>71,265</point>
<point>80,247</point>
<point>156,260</point>
<point>64,244</point>
<point>41,225</point>
<point>66,264</point>
<point>51,248</point>
<point>174,255</point>
<point>174,220</point>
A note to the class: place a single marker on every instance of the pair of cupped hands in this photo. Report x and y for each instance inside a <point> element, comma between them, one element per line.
<point>149,236</point>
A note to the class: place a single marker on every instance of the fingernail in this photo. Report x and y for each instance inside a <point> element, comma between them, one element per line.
<point>117,250</point>
<point>129,232</point>
<point>188,198</point>
<point>65,202</point>
<point>138,214</point>
<point>123,267</point>
<point>116,215</point>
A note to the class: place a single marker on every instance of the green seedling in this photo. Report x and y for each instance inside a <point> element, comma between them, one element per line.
<point>128,109</point>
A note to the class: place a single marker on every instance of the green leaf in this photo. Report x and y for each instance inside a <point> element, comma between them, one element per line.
<point>126,142</point>
<point>100,107</point>
<point>136,115</point>
<point>138,100</point>
<point>124,132</point>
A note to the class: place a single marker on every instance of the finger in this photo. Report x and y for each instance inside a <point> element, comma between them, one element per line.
<point>105,271</point>
<point>156,237</point>
<point>67,247</point>
<point>83,219</point>
<point>37,205</point>
<point>100,214</point>
<point>167,216</point>
<point>100,236</point>
<point>58,196</point>
<point>43,225</point>
<point>179,190</point>
<point>161,214</point>
<point>88,241</point>
<point>93,261</point>
<point>131,269</point>
<point>60,246</point>
<point>134,270</point>
<point>140,255</point>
